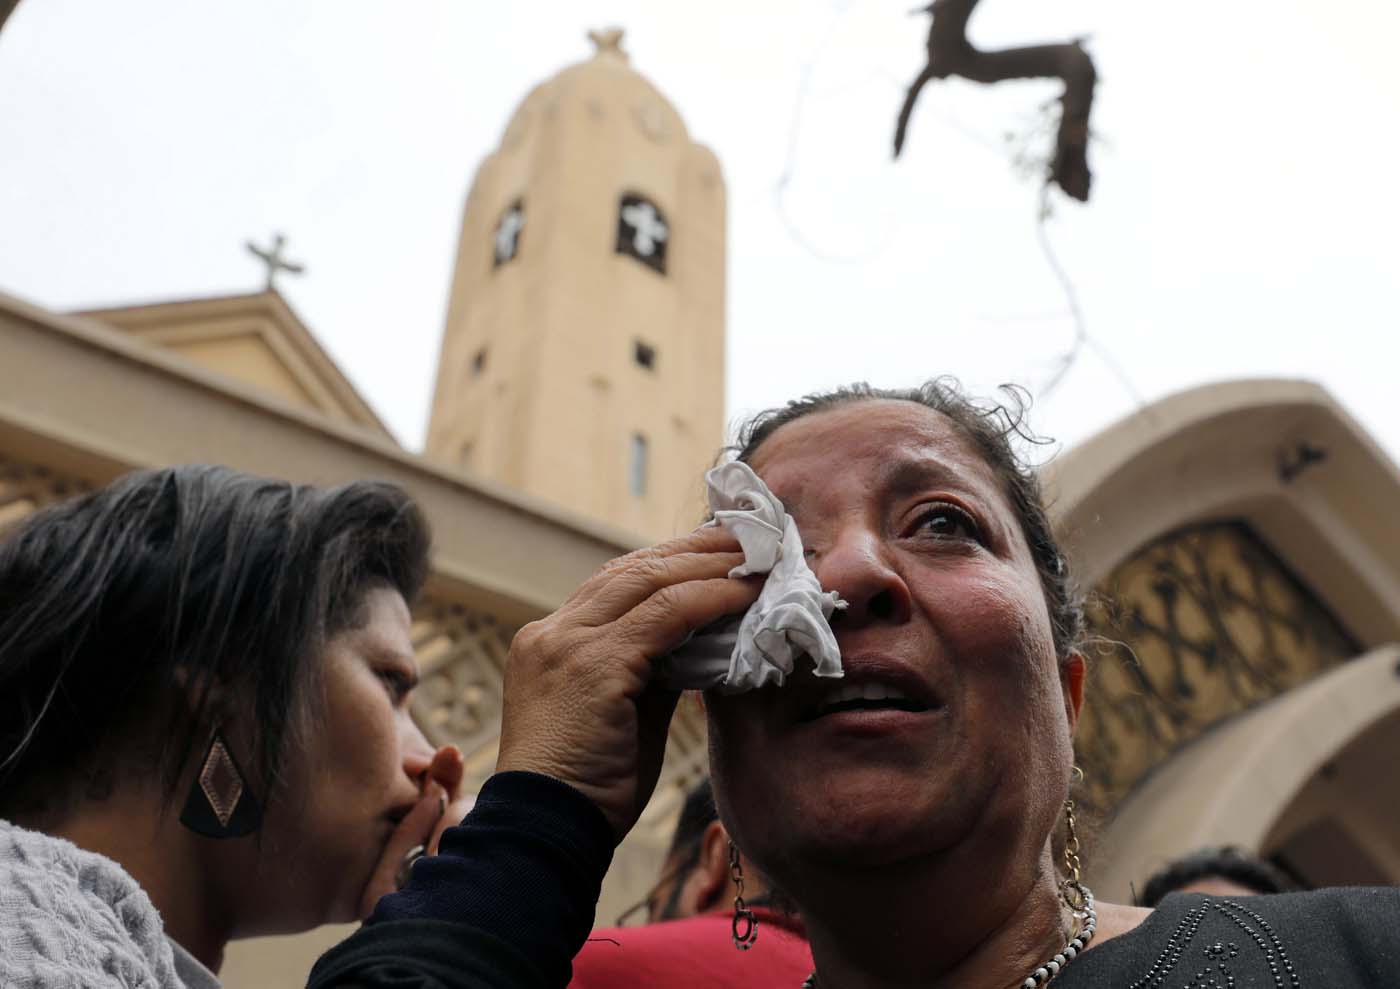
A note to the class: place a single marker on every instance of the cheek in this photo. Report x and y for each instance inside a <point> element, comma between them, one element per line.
<point>736,763</point>
<point>1002,626</point>
<point>998,635</point>
<point>362,731</point>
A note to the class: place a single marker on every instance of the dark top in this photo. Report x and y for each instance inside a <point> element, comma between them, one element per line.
<point>1331,939</point>
<point>508,901</point>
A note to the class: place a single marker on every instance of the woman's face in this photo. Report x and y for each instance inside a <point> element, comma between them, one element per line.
<point>901,516</point>
<point>359,773</point>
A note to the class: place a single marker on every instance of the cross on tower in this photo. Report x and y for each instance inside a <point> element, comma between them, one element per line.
<point>272,257</point>
<point>648,229</point>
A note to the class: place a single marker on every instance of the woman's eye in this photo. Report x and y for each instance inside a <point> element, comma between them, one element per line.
<point>949,522</point>
<point>398,683</point>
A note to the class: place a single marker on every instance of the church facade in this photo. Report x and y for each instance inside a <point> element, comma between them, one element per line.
<point>1238,537</point>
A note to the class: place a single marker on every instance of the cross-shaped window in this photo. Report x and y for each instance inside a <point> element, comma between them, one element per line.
<point>642,231</point>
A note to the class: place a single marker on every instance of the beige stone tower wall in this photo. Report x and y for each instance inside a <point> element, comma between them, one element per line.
<point>538,384</point>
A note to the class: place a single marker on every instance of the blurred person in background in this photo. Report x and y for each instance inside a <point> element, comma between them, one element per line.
<point>1220,871</point>
<point>204,722</point>
<point>687,914</point>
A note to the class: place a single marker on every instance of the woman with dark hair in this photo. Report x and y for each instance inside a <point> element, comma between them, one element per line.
<point>917,810</point>
<point>204,725</point>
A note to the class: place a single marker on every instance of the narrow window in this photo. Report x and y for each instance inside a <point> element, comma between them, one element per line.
<point>505,242</point>
<point>645,355</point>
<point>637,476</point>
<point>479,362</point>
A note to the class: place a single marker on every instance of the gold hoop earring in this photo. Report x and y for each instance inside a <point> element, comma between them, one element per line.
<point>744,927</point>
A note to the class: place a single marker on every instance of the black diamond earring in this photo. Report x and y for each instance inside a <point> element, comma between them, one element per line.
<point>220,804</point>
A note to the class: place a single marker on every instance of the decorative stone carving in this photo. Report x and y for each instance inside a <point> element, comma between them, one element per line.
<point>461,656</point>
<point>25,488</point>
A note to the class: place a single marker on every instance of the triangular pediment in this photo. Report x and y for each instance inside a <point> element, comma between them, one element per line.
<point>255,339</point>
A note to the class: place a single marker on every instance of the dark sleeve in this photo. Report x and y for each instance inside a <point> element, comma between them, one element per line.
<point>507,901</point>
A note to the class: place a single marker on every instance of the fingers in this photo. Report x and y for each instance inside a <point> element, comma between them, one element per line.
<point>706,539</point>
<point>447,769</point>
<point>655,707</point>
<point>456,810</point>
<point>415,829</point>
<point>674,611</point>
<point>577,704</point>
<point>643,577</point>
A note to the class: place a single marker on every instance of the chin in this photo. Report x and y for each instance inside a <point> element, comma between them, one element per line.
<point>868,826</point>
<point>873,840</point>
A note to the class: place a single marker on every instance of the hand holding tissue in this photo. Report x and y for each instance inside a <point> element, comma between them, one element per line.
<point>790,617</point>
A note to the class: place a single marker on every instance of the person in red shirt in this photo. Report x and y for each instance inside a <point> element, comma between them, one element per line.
<point>688,939</point>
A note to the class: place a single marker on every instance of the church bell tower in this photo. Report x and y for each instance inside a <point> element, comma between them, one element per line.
<point>583,356</point>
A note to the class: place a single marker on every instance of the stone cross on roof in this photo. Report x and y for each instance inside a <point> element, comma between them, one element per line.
<point>272,257</point>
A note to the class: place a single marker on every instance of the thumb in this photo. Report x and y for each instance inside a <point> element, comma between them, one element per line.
<point>414,830</point>
<point>655,708</point>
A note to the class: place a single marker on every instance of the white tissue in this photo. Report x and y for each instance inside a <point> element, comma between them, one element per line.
<point>790,617</point>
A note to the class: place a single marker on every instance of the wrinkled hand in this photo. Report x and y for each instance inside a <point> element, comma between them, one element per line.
<point>579,702</point>
<point>440,807</point>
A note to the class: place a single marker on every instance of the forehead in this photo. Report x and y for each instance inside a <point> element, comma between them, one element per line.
<point>869,441</point>
<point>383,621</point>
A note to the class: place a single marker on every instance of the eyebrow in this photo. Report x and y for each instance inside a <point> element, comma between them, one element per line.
<point>899,479</point>
<point>905,477</point>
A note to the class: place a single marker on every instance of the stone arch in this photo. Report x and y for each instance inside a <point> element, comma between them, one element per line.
<point>1235,479</point>
<point>1232,450</point>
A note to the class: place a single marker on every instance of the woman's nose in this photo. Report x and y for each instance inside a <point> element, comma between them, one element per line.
<point>417,753</point>
<point>856,567</point>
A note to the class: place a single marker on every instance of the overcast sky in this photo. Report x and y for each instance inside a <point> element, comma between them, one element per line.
<point>1243,220</point>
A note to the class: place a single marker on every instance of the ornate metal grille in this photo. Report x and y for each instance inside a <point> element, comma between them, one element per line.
<point>1199,625</point>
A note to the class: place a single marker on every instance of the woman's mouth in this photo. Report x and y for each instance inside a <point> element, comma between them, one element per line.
<point>868,696</point>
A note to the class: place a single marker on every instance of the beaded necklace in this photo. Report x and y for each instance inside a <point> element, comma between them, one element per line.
<point>1042,975</point>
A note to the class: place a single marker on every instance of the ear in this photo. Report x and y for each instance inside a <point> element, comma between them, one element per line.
<point>1073,670</point>
<point>709,883</point>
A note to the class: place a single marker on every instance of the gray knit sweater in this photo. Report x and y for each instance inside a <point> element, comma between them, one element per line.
<point>71,919</point>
